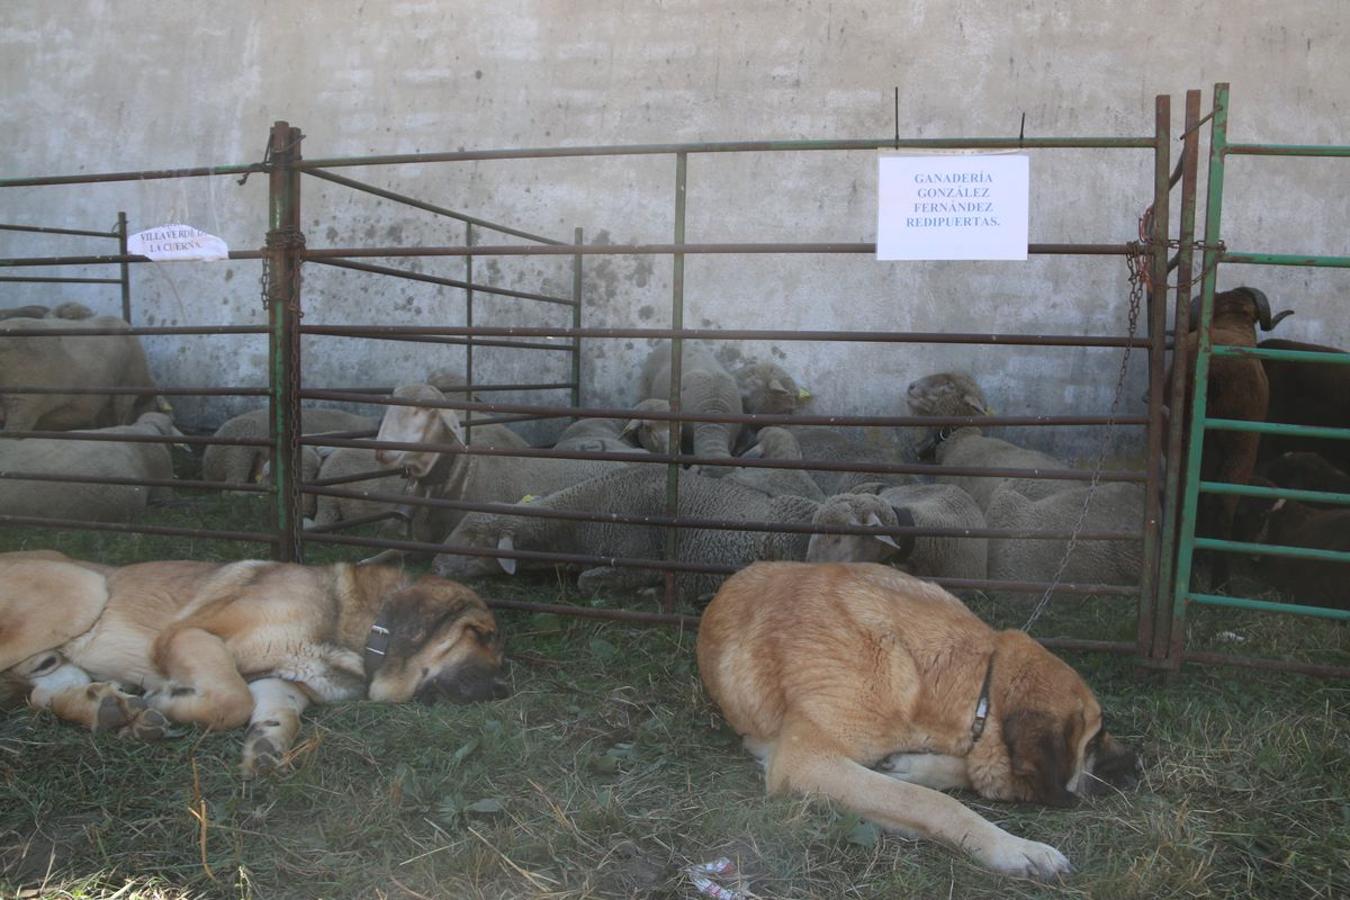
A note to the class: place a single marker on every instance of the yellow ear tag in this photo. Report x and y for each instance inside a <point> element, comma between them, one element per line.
<point>528,498</point>
<point>803,394</point>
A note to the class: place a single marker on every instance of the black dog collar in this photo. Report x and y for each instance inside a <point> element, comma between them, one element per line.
<point>982,705</point>
<point>377,644</point>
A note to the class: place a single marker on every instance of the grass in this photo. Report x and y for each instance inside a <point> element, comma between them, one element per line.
<point>607,772</point>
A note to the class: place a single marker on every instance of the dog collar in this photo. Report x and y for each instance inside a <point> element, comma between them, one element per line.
<point>982,704</point>
<point>377,644</point>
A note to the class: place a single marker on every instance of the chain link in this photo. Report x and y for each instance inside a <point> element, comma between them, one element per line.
<point>1137,261</point>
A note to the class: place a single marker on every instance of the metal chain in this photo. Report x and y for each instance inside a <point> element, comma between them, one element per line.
<point>1138,263</point>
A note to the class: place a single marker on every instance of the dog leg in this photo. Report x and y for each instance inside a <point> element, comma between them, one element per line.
<point>277,705</point>
<point>806,759</point>
<point>931,770</point>
<point>69,692</point>
<point>204,687</point>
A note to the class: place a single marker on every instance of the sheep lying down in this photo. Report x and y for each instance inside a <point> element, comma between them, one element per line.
<point>641,491</point>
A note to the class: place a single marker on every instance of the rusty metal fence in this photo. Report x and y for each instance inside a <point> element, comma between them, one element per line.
<point>286,252</point>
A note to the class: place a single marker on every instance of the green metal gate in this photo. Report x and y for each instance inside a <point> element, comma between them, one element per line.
<point>1215,254</point>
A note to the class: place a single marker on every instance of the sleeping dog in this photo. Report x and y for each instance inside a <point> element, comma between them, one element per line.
<point>222,645</point>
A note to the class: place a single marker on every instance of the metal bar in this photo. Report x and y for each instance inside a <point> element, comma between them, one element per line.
<point>1336,357</point>
<point>427,207</point>
<point>380,390</point>
<point>1271,606</point>
<point>1318,431</point>
<point>758,420</point>
<point>576,320</point>
<point>436,279</point>
<point>1256,490</point>
<point>1273,550</point>
<point>1285,150</point>
<point>559,250</point>
<point>468,321</point>
<point>591,612</point>
<point>350,479</point>
<point>340,331</point>
<point>147,391</point>
<point>104,259</point>
<point>124,276</point>
<point>79,525</point>
<point>83,331</point>
<point>138,482</point>
<point>147,175</point>
<point>1157,327</point>
<point>1200,377</point>
<point>40,229</point>
<point>133,438</point>
<point>54,280</point>
<point>1190,163</point>
<point>329,488</point>
<point>1277,665</point>
<point>1061,249</point>
<point>868,144</point>
<point>348,524</point>
<point>676,427</point>
<point>283,302</point>
<point>880,337</point>
<point>1286,259</point>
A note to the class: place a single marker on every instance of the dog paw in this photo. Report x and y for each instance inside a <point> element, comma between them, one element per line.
<point>115,709</point>
<point>1027,859</point>
<point>149,725</point>
<point>261,757</point>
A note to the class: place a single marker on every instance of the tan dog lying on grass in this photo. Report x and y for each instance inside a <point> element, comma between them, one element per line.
<point>225,644</point>
<point>880,690</point>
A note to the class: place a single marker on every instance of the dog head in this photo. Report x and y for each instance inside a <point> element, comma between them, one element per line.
<point>1051,729</point>
<point>443,644</point>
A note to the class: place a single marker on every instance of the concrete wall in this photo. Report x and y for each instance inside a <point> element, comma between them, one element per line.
<point>102,86</point>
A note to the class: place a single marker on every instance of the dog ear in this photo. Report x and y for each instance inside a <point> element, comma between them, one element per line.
<point>1039,755</point>
<point>506,542</point>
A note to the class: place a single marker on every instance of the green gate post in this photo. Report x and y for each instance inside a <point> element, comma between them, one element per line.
<point>126,269</point>
<point>284,254</point>
<point>1200,378</point>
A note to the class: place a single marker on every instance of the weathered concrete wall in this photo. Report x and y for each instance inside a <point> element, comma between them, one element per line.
<point>100,86</point>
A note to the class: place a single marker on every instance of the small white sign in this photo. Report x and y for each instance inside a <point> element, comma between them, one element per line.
<point>177,242</point>
<point>952,207</point>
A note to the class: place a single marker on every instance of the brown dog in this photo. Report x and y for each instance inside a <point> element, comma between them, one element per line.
<point>879,690</point>
<point>224,644</point>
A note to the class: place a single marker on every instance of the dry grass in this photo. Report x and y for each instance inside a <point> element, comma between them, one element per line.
<point>607,772</point>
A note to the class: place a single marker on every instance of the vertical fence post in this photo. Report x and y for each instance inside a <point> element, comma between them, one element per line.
<point>126,269</point>
<point>577,237</point>
<point>1157,325</point>
<point>468,337</point>
<point>1200,377</point>
<point>676,376</point>
<point>284,253</point>
<point>1190,163</point>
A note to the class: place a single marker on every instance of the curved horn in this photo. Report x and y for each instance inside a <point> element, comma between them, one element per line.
<point>1263,308</point>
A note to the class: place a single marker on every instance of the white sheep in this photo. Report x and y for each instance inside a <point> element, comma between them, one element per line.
<point>52,359</point>
<point>1114,506</point>
<point>468,477</point>
<point>344,461</point>
<point>652,435</point>
<point>641,491</point>
<point>767,388</point>
<point>777,444</point>
<point>596,436</point>
<point>956,394</point>
<point>95,459</point>
<point>705,389</point>
<point>820,443</point>
<point>238,464</point>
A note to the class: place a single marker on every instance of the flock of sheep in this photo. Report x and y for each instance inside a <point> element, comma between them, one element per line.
<point>924,525</point>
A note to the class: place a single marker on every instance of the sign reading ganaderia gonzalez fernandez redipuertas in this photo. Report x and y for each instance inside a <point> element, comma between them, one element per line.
<point>952,207</point>
<point>177,242</point>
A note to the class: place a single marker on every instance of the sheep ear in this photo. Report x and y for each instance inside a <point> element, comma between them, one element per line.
<point>755,452</point>
<point>776,387</point>
<point>976,404</point>
<point>874,521</point>
<point>632,426</point>
<point>508,565</point>
<point>452,422</point>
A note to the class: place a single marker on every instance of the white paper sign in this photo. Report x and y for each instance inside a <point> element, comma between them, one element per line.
<point>176,242</point>
<point>952,207</point>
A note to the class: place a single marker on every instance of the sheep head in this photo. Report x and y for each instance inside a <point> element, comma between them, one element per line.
<point>766,388</point>
<point>417,425</point>
<point>652,435</point>
<point>1244,304</point>
<point>861,510</point>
